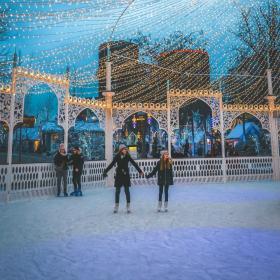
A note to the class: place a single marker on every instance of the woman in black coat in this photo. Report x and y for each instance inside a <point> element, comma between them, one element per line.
<point>122,177</point>
<point>165,178</point>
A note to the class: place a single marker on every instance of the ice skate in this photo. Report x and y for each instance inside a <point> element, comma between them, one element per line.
<point>166,206</point>
<point>128,208</point>
<point>65,194</point>
<point>159,206</point>
<point>73,193</point>
<point>79,193</point>
<point>116,208</point>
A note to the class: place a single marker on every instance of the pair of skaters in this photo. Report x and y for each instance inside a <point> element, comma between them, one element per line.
<point>122,178</point>
<point>61,161</point>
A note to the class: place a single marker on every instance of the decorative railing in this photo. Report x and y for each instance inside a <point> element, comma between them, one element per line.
<point>3,181</point>
<point>253,168</point>
<point>205,170</point>
<point>30,180</point>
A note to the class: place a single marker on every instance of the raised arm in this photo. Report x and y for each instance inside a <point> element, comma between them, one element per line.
<point>110,166</point>
<point>135,164</point>
<point>154,171</point>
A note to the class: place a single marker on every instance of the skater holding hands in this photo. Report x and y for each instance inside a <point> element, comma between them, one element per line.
<point>122,177</point>
<point>165,178</point>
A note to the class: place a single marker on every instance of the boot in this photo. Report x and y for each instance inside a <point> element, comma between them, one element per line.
<point>128,208</point>
<point>166,206</point>
<point>159,206</point>
<point>116,208</point>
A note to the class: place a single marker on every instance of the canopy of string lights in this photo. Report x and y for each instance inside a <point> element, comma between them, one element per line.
<point>193,44</point>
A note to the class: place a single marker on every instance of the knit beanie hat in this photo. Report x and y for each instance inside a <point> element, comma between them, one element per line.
<point>121,147</point>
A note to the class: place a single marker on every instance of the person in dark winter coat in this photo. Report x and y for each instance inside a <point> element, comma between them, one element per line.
<point>122,177</point>
<point>165,178</point>
<point>78,163</point>
<point>61,168</point>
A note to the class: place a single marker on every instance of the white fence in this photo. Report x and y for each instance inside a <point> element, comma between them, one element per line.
<point>30,180</point>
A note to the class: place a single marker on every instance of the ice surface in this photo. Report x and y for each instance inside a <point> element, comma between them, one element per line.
<point>212,231</point>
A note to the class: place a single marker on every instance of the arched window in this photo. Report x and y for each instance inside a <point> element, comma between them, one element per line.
<point>247,137</point>
<point>37,138</point>
<point>196,136</point>
<point>88,135</point>
<point>141,133</point>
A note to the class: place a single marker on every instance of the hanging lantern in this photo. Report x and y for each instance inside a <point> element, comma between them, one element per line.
<point>126,133</point>
<point>149,119</point>
<point>134,120</point>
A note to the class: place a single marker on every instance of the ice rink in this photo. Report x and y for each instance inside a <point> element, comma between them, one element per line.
<point>212,231</point>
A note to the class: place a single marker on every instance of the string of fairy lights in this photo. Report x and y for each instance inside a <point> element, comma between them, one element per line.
<point>50,36</point>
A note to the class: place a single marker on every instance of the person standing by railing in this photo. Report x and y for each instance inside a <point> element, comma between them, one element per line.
<point>61,168</point>
<point>77,160</point>
<point>122,177</point>
<point>165,178</point>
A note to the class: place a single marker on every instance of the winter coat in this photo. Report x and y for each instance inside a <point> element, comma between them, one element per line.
<point>165,177</point>
<point>60,161</point>
<point>122,176</point>
<point>78,162</point>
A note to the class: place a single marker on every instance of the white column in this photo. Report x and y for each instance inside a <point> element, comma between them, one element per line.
<point>66,123</point>
<point>10,137</point>
<point>169,128</point>
<point>108,94</point>
<point>224,165</point>
<point>274,138</point>
<point>273,127</point>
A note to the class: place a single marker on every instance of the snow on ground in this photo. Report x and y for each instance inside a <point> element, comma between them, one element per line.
<point>212,231</point>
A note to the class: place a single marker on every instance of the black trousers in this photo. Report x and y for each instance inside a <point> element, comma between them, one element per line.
<point>165,188</point>
<point>77,180</point>
<point>118,191</point>
<point>61,174</point>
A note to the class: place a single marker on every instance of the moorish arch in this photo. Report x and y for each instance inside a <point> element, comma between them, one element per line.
<point>87,133</point>
<point>76,109</point>
<point>23,85</point>
<point>178,102</point>
<point>143,131</point>
<point>37,133</point>
<point>119,117</point>
<point>196,132</point>
<point>230,116</point>
<point>248,135</point>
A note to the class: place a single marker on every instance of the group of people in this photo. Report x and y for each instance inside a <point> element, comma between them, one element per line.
<point>163,169</point>
<point>62,161</point>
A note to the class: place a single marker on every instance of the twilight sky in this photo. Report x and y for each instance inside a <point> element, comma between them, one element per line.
<point>53,34</point>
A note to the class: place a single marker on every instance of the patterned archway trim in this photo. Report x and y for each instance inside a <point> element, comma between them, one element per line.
<point>119,117</point>
<point>75,110</point>
<point>230,116</point>
<point>176,103</point>
<point>5,107</point>
<point>24,84</point>
<point>5,89</point>
<point>59,80</point>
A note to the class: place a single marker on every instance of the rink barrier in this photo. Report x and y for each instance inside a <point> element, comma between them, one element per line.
<point>39,179</point>
<point>248,169</point>
<point>32,180</point>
